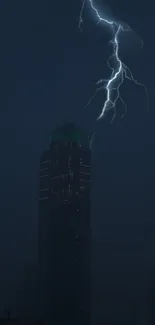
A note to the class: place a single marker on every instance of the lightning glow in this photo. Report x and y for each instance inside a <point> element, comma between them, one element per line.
<point>119,72</point>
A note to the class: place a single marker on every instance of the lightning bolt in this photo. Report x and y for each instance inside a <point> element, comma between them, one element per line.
<point>118,73</point>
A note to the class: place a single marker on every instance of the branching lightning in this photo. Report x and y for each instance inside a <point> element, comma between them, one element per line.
<point>119,72</point>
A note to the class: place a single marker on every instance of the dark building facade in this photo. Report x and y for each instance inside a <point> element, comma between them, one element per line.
<point>64,228</point>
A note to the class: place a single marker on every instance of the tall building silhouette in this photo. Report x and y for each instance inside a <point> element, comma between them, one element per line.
<point>64,228</point>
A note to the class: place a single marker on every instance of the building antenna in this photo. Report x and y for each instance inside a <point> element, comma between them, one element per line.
<point>92,137</point>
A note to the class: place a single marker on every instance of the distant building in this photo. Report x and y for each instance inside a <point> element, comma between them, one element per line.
<point>64,228</point>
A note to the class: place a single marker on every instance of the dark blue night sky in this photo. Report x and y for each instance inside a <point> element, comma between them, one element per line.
<point>48,70</point>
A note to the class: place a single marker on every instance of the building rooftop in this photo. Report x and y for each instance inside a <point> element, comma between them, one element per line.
<point>69,132</point>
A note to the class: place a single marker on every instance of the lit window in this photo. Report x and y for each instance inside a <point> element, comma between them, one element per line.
<point>81,172</point>
<point>84,180</point>
<point>43,169</point>
<point>45,161</point>
<point>43,198</point>
<point>44,189</point>
<point>71,175</point>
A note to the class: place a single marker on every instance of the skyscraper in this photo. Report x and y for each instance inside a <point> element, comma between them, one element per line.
<point>64,227</point>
